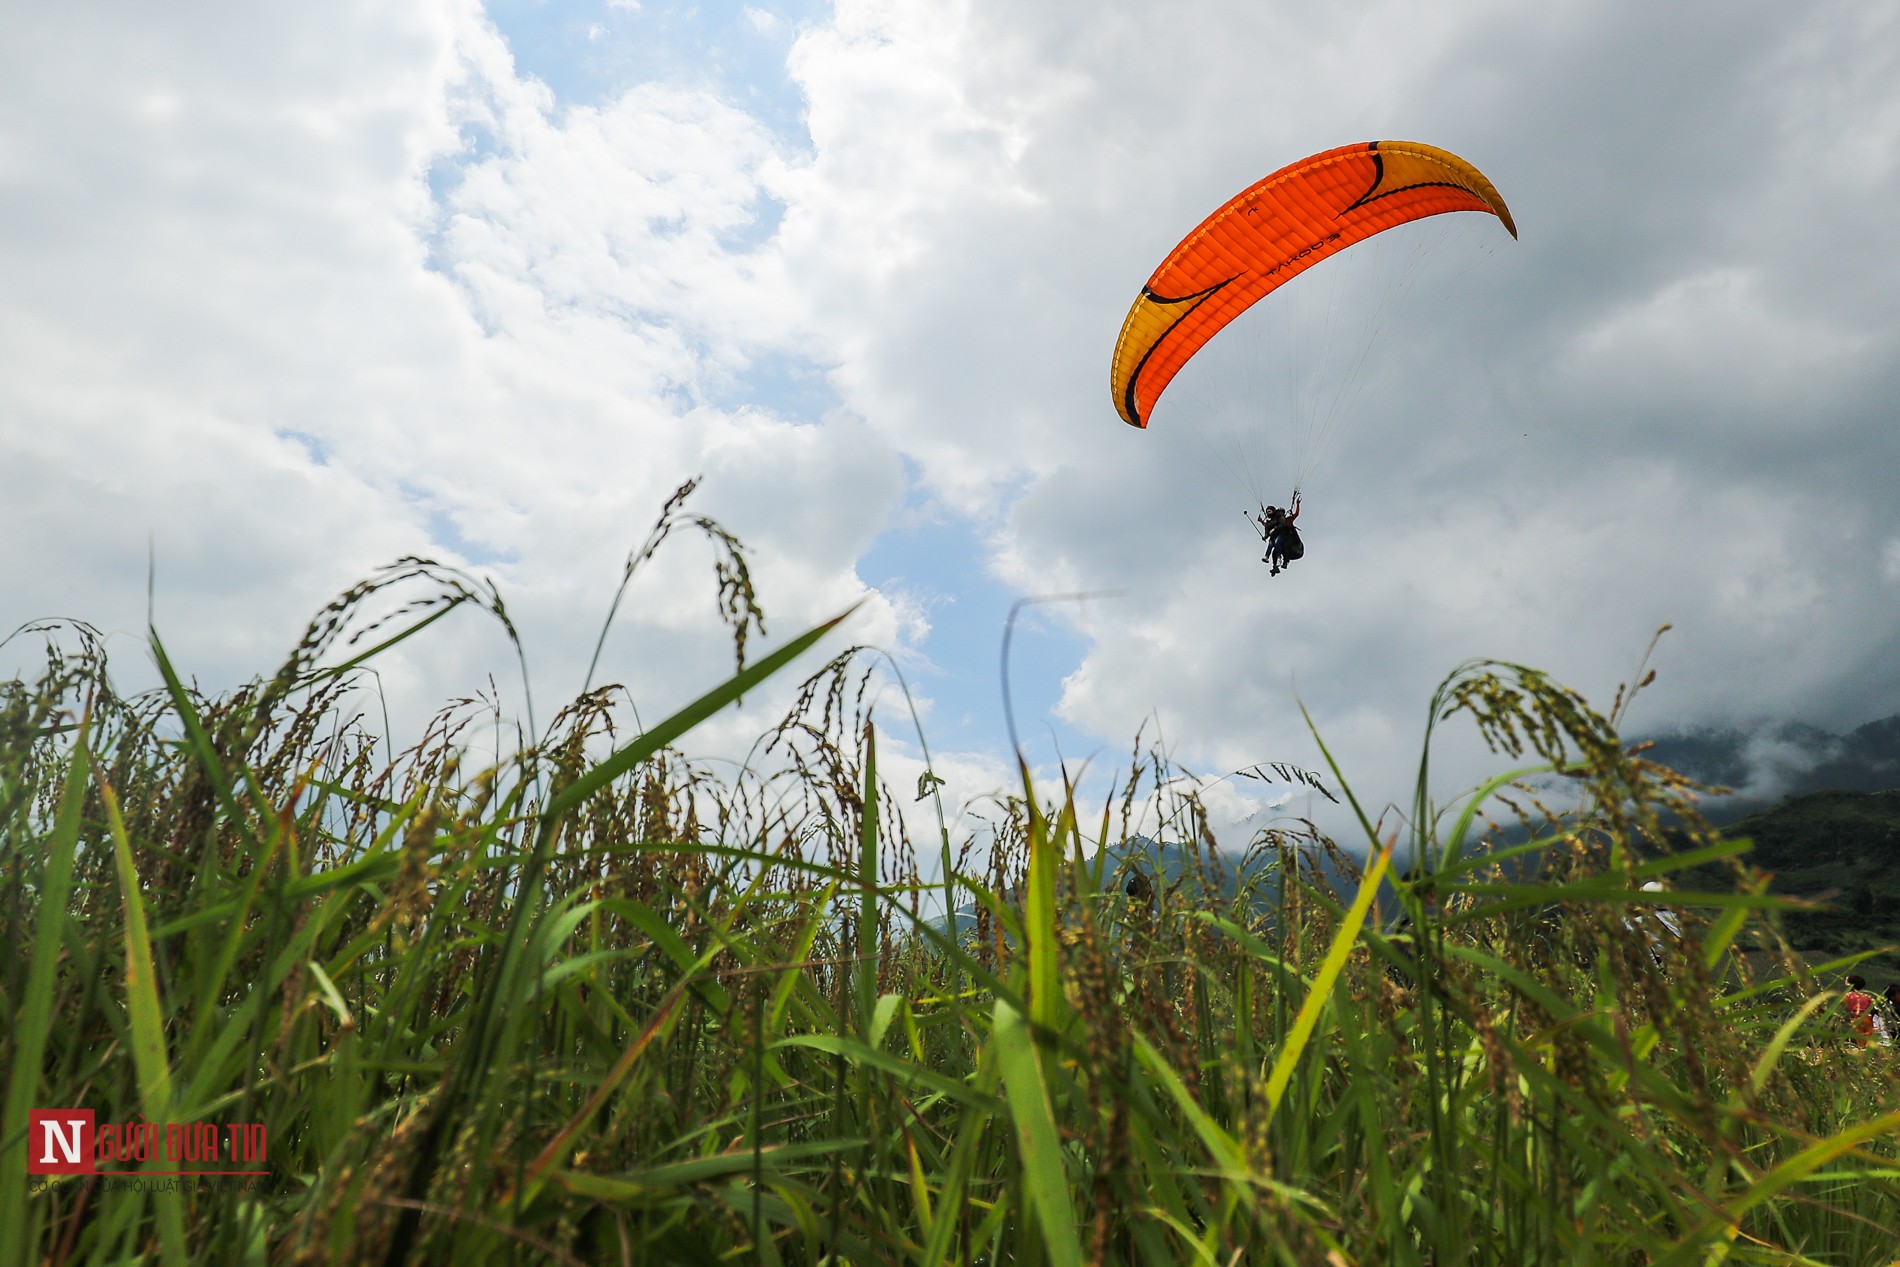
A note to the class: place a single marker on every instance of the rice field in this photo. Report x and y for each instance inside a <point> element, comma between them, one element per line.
<point>604,1003</point>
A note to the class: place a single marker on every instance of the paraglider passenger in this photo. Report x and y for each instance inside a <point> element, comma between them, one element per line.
<point>1267,522</point>
<point>1282,538</point>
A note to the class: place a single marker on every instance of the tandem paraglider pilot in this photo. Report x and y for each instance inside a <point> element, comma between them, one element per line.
<point>1263,237</point>
<point>1282,538</point>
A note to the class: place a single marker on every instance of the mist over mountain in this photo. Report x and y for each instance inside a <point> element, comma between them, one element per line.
<point>1764,765</point>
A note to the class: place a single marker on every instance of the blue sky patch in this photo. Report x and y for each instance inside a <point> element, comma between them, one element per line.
<point>587,54</point>
<point>937,560</point>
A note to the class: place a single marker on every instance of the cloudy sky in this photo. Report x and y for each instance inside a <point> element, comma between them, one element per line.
<point>287,292</point>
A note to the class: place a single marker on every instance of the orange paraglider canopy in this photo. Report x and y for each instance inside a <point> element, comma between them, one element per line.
<point>1270,233</point>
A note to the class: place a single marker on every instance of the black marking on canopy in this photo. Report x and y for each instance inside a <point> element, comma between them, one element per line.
<point>1131,411</point>
<point>1374,193</point>
<point>1378,174</point>
<point>1371,197</point>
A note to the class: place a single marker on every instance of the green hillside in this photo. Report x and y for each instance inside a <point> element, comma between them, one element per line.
<point>1842,847</point>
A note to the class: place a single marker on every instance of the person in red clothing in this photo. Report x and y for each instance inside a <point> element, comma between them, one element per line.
<point>1860,1009</point>
<point>1282,538</point>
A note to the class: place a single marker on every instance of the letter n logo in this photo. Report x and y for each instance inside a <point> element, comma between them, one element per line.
<point>59,1141</point>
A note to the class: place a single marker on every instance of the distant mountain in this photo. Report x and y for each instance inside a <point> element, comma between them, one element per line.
<point>1842,847</point>
<point>1843,835</point>
<point>1170,867</point>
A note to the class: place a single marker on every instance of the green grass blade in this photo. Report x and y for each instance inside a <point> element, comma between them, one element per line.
<point>866,970</point>
<point>36,1015</point>
<point>1321,993</point>
<point>1038,1142</point>
<point>1046,1001</point>
<point>870,1057</point>
<point>147,1019</point>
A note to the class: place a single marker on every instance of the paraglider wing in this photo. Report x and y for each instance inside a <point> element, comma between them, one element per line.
<point>1272,232</point>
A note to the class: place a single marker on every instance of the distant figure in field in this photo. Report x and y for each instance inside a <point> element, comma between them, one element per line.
<point>1659,925</point>
<point>1888,1017</point>
<point>1282,538</point>
<point>1406,937</point>
<point>1860,1009</point>
<point>1141,889</point>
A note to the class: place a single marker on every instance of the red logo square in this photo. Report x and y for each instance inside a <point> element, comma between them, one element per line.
<point>59,1142</point>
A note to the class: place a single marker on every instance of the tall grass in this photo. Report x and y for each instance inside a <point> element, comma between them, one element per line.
<point>600,1003</point>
